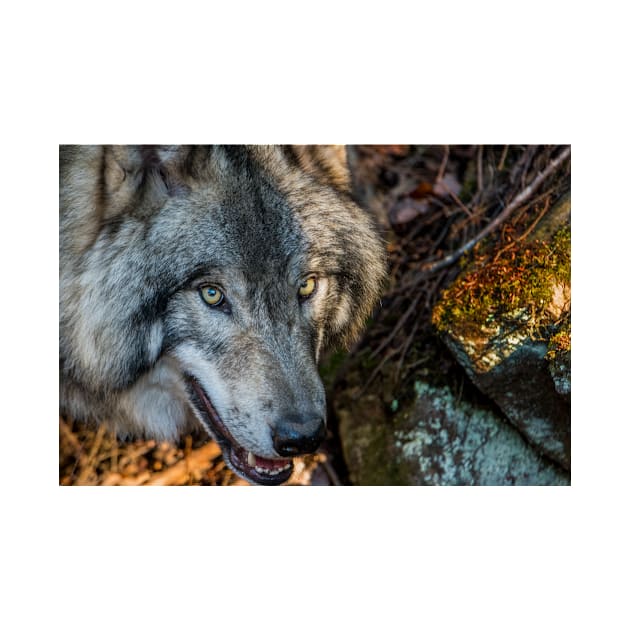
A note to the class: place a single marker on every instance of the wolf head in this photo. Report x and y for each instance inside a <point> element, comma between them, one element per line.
<point>204,282</point>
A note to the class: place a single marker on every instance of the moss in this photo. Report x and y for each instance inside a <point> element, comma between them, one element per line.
<point>513,284</point>
<point>560,342</point>
<point>562,247</point>
<point>368,442</point>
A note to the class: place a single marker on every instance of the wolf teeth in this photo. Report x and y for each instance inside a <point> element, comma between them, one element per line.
<point>251,461</point>
<point>275,471</point>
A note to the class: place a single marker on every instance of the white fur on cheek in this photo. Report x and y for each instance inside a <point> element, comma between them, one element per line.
<point>157,402</point>
<point>320,338</point>
<point>343,312</point>
<point>318,307</point>
<point>193,362</point>
<point>318,302</point>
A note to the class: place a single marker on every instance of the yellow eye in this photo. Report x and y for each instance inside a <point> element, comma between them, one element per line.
<point>211,295</point>
<point>307,287</point>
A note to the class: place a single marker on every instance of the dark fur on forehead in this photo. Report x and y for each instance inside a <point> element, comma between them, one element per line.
<point>238,155</point>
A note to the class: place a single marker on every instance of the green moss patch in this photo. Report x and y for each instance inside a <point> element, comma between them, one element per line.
<point>560,342</point>
<point>513,283</point>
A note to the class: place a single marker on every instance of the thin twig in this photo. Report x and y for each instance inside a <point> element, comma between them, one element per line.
<point>67,434</point>
<point>89,464</point>
<point>530,229</point>
<point>399,323</point>
<point>375,371</point>
<point>332,475</point>
<point>460,203</point>
<point>442,235</point>
<point>503,156</point>
<point>526,233</point>
<point>80,458</point>
<point>180,472</point>
<point>417,363</point>
<point>520,199</point>
<point>442,170</point>
<point>480,168</point>
<point>405,349</point>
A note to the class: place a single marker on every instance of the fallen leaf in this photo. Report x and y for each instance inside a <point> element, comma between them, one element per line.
<point>423,189</point>
<point>447,186</point>
<point>407,209</point>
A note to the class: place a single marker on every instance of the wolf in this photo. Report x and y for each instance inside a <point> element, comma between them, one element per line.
<point>199,286</point>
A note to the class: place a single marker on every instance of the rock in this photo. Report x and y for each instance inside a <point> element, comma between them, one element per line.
<point>559,357</point>
<point>522,386</point>
<point>437,440</point>
<point>560,369</point>
<point>499,319</point>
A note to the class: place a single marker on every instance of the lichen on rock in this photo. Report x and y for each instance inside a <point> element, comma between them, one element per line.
<point>439,439</point>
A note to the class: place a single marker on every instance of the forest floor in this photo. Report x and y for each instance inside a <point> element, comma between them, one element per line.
<point>436,205</point>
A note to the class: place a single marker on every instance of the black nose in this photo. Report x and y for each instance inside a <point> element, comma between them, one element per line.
<point>299,437</point>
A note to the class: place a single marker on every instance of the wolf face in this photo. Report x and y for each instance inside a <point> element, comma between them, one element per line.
<point>200,285</point>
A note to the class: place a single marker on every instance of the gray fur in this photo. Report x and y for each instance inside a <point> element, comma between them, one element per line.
<point>141,228</point>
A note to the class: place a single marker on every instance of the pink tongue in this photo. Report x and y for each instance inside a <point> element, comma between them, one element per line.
<point>271,464</point>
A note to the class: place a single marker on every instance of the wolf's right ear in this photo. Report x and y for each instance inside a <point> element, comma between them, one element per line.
<point>139,175</point>
<point>326,162</point>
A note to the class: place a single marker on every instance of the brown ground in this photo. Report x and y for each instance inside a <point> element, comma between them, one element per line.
<point>93,457</point>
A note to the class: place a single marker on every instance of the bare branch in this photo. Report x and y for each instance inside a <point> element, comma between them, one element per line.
<point>519,200</point>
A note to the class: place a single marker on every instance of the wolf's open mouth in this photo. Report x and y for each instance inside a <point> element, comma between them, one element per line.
<point>253,468</point>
